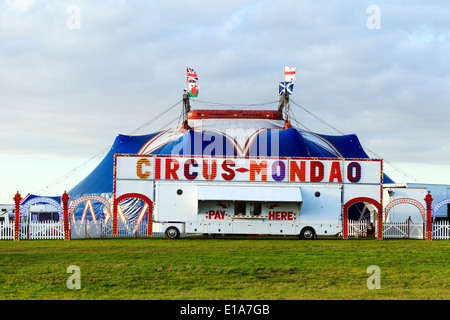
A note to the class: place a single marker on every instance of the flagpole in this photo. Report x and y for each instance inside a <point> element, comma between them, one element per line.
<point>282,101</point>
<point>186,104</point>
<point>284,104</point>
<point>186,78</point>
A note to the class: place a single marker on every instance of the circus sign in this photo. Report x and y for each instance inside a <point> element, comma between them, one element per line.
<point>193,168</point>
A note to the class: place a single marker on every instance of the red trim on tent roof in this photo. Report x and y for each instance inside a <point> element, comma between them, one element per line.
<point>235,114</point>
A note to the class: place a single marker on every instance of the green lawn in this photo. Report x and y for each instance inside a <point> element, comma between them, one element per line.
<point>225,268</point>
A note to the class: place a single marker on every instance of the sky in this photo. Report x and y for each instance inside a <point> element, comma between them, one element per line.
<point>74,74</point>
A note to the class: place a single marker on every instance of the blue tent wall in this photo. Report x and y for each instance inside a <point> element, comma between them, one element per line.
<point>100,180</point>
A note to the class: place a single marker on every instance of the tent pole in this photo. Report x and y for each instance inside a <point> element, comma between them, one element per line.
<point>186,109</point>
<point>284,105</point>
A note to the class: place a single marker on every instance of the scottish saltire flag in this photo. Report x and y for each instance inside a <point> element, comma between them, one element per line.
<point>191,75</point>
<point>289,73</point>
<point>192,89</point>
<point>285,87</point>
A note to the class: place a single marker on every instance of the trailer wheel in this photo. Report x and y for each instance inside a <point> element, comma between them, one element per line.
<point>172,233</point>
<point>307,233</point>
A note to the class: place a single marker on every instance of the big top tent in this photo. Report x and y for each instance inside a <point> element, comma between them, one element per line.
<point>235,133</point>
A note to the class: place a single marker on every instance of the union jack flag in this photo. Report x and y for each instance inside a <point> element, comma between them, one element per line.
<point>191,75</point>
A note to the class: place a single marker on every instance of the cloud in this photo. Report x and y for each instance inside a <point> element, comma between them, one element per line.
<point>68,92</point>
<point>19,6</point>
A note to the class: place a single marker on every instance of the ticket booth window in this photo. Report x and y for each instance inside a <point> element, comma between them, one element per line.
<point>255,208</point>
<point>240,207</point>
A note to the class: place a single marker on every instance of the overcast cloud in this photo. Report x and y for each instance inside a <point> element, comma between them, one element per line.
<point>66,93</point>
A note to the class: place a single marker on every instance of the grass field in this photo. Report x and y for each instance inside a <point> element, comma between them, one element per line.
<point>240,268</point>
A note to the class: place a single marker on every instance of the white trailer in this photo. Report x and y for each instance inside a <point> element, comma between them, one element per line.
<point>239,208</point>
<point>273,196</point>
<point>6,212</point>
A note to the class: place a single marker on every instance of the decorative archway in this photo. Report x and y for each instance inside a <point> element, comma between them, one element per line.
<point>439,205</point>
<point>89,197</point>
<point>39,200</point>
<point>367,200</point>
<point>411,201</point>
<point>137,196</point>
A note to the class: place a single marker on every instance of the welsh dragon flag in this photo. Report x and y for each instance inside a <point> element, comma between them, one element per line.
<point>192,89</point>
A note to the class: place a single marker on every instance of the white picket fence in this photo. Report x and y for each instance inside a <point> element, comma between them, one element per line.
<point>441,230</point>
<point>87,229</point>
<point>358,228</point>
<point>97,229</point>
<point>32,230</point>
<point>46,230</point>
<point>6,230</point>
<point>403,230</point>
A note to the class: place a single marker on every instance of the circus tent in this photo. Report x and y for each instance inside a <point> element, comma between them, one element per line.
<point>234,133</point>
